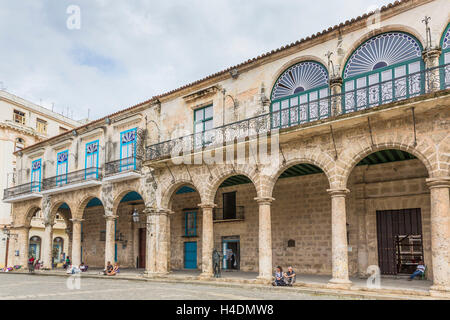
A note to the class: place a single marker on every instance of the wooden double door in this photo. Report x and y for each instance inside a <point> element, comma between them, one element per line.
<point>400,245</point>
<point>142,247</point>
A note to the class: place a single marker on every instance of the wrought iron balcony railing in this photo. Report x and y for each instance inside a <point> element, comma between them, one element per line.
<point>221,215</point>
<point>22,190</point>
<point>291,112</point>
<point>123,165</point>
<point>87,174</point>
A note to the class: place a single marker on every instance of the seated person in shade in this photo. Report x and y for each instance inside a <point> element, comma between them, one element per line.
<point>279,278</point>
<point>108,268</point>
<point>290,276</point>
<point>419,271</point>
<point>83,267</point>
<point>115,270</point>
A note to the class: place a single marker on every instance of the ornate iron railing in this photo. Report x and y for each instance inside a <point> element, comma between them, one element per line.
<point>93,173</point>
<point>123,165</point>
<point>220,215</point>
<point>293,113</point>
<point>21,190</point>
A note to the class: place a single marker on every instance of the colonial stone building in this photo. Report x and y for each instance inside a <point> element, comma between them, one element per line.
<point>355,121</point>
<point>22,124</point>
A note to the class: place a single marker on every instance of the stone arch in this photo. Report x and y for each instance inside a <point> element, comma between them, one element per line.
<point>55,207</point>
<point>166,199</point>
<point>360,154</point>
<point>389,28</point>
<point>121,194</point>
<point>81,206</point>
<point>320,162</point>
<point>223,173</point>
<point>29,215</point>
<point>292,62</point>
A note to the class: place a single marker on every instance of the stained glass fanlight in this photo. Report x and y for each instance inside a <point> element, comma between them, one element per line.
<point>382,51</point>
<point>446,40</point>
<point>299,78</point>
<point>445,59</point>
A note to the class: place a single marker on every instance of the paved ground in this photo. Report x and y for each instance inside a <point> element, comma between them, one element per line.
<point>32,287</point>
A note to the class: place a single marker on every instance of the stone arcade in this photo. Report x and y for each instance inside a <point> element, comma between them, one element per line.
<point>363,175</point>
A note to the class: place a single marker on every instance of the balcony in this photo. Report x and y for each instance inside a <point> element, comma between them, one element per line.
<point>76,180</point>
<point>290,112</point>
<point>123,169</point>
<point>219,215</point>
<point>23,192</point>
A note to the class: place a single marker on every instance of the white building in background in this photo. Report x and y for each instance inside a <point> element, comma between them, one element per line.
<point>22,123</point>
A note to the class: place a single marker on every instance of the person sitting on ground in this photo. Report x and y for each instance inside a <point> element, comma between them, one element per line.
<point>279,277</point>
<point>115,270</point>
<point>290,277</point>
<point>83,267</point>
<point>419,271</point>
<point>108,268</point>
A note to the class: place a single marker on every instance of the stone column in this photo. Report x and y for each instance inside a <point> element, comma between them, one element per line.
<point>207,239</point>
<point>47,246</point>
<point>265,239</point>
<point>431,58</point>
<point>110,238</point>
<point>76,242</point>
<point>339,245</point>
<point>151,240</point>
<point>440,235</point>
<point>336,97</point>
<point>23,239</point>
<point>162,257</point>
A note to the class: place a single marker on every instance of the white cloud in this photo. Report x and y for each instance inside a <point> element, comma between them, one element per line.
<point>129,51</point>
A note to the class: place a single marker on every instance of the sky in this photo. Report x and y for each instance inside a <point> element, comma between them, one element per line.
<point>102,56</point>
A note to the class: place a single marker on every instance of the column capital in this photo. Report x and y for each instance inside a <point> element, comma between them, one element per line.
<point>110,218</point>
<point>207,205</point>
<point>165,212</point>
<point>265,200</point>
<point>18,228</point>
<point>441,182</point>
<point>77,221</point>
<point>431,53</point>
<point>334,193</point>
<point>336,81</point>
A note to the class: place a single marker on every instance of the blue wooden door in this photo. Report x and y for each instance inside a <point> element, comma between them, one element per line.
<point>190,255</point>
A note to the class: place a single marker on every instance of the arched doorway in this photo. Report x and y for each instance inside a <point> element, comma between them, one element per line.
<point>58,250</point>
<point>35,247</point>
<point>389,213</point>
<point>301,220</point>
<point>93,234</point>
<point>130,236</point>
<point>185,228</point>
<point>236,224</point>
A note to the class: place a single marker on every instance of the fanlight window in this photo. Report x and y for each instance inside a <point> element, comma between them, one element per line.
<point>383,69</point>
<point>445,59</point>
<point>129,136</point>
<point>300,95</point>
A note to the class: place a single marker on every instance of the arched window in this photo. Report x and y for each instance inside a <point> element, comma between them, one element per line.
<point>383,69</point>
<point>300,95</point>
<point>445,58</point>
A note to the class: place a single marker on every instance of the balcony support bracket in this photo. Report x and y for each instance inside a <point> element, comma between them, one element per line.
<point>334,143</point>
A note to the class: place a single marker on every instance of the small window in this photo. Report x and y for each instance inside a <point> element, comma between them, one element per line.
<point>41,126</point>
<point>291,243</point>
<point>229,206</point>
<point>190,227</point>
<point>19,117</point>
<point>20,144</point>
